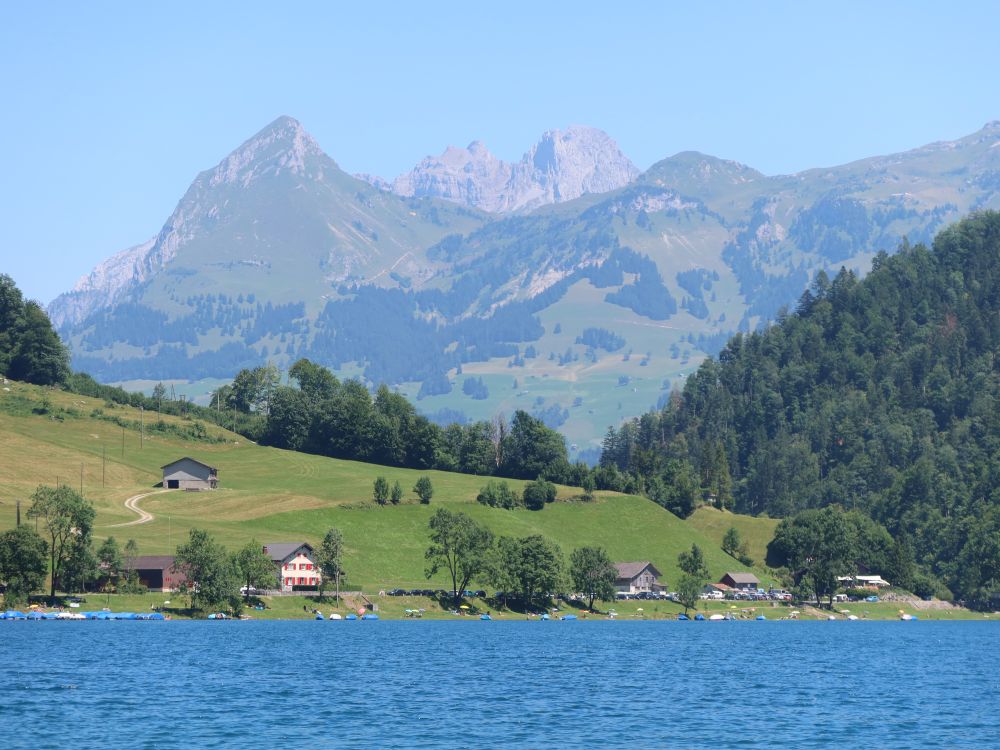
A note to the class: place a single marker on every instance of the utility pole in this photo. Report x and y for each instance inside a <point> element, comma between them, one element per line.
<point>141,426</point>
<point>123,441</point>
<point>81,479</point>
<point>104,458</point>
<point>18,512</point>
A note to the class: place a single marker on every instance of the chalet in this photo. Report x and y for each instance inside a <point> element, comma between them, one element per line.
<point>295,563</point>
<point>741,581</point>
<point>189,474</point>
<point>636,577</point>
<point>157,573</point>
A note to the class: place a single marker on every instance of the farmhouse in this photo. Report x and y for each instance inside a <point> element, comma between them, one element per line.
<point>190,474</point>
<point>636,577</point>
<point>741,581</point>
<point>296,563</point>
<point>157,573</point>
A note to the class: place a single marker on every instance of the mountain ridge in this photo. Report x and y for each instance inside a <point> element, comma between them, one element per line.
<point>276,253</point>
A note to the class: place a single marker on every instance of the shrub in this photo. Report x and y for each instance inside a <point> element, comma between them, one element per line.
<point>537,493</point>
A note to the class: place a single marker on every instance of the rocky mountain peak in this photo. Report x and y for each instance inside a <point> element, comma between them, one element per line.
<point>563,165</point>
<point>284,144</point>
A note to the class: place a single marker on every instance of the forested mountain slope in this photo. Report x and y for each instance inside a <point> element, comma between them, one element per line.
<point>881,395</point>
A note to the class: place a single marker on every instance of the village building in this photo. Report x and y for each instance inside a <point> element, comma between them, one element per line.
<point>190,474</point>
<point>741,581</point>
<point>295,563</point>
<point>716,590</point>
<point>861,582</point>
<point>636,577</point>
<point>157,573</point>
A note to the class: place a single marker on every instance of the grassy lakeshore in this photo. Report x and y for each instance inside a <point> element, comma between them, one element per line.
<point>394,608</point>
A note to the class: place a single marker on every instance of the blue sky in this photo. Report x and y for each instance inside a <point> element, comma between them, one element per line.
<point>110,110</point>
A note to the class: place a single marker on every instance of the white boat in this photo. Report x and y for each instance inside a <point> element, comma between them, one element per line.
<point>717,617</point>
<point>335,616</point>
<point>852,617</point>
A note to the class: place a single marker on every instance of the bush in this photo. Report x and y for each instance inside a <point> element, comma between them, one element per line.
<point>497,494</point>
<point>537,493</point>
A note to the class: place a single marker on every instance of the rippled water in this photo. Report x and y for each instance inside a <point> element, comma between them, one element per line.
<point>500,684</point>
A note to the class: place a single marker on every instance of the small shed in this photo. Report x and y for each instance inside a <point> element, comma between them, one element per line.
<point>190,474</point>
<point>636,577</point>
<point>741,581</point>
<point>157,573</point>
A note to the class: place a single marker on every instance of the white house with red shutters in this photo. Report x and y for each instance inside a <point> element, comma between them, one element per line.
<point>296,563</point>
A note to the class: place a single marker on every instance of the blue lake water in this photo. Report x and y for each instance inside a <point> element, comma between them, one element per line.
<point>500,684</point>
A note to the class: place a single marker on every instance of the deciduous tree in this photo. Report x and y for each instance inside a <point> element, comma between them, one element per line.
<point>593,574</point>
<point>67,519</point>
<point>458,544</point>
<point>330,560</point>
<point>22,564</point>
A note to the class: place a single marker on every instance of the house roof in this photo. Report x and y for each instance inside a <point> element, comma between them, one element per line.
<point>281,550</point>
<point>188,458</point>
<point>154,562</point>
<point>718,586</point>
<point>742,577</point>
<point>629,570</point>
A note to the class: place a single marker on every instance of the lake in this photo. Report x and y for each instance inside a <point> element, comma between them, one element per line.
<point>500,684</point>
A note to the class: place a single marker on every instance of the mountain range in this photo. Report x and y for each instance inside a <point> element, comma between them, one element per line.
<point>567,283</point>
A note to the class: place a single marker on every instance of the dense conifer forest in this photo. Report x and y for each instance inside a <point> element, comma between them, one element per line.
<point>879,395</point>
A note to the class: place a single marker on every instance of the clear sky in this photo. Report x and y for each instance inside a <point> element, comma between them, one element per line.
<point>111,109</point>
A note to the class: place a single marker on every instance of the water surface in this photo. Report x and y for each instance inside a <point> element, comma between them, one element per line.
<point>500,684</point>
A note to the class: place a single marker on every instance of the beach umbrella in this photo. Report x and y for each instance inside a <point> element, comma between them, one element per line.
<point>464,606</point>
<point>640,609</point>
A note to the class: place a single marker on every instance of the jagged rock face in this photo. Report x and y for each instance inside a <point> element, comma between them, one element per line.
<point>562,166</point>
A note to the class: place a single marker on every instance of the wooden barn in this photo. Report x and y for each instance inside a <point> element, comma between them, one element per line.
<point>157,573</point>
<point>190,474</point>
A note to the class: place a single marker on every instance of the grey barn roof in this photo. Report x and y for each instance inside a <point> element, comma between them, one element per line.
<point>154,562</point>
<point>280,550</point>
<point>743,577</point>
<point>629,570</point>
<point>188,458</point>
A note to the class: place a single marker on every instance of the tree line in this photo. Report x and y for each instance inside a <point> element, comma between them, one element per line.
<point>528,570</point>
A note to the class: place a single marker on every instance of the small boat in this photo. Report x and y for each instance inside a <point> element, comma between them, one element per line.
<point>370,616</point>
<point>683,617</point>
<point>699,617</point>
<point>157,616</point>
<point>568,617</point>
<point>319,616</point>
<point>351,616</point>
<point>852,618</point>
<point>335,616</point>
<point>485,617</point>
<point>545,617</point>
<point>716,617</point>
<point>760,617</point>
<point>907,618</point>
